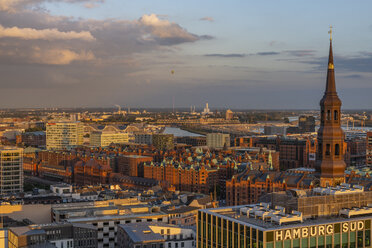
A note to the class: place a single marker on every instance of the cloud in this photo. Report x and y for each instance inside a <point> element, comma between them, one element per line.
<point>13,6</point>
<point>240,55</point>
<point>357,63</point>
<point>228,55</point>
<point>90,5</point>
<point>59,56</point>
<point>43,34</point>
<point>207,18</point>
<point>166,32</point>
<point>267,53</point>
<point>300,53</point>
<point>353,76</point>
<point>43,56</point>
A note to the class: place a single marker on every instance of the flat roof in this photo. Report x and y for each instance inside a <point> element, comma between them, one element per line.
<point>141,233</point>
<point>233,214</point>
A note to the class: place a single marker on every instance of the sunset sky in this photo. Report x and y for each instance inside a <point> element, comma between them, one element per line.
<point>232,54</point>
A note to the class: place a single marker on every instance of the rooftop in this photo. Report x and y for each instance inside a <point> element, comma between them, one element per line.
<point>141,233</point>
<point>264,218</point>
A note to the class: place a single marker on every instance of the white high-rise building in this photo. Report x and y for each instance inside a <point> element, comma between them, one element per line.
<point>64,135</point>
<point>11,170</point>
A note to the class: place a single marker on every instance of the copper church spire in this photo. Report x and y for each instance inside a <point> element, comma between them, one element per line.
<point>330,156</point>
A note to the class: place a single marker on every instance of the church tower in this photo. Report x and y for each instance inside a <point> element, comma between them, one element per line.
<point>330,157</point>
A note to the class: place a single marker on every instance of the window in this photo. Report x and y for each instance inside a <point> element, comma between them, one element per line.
<point>328,115</point>
<point>328,149</point>
<point>335,115</point>
<point>337,149</point>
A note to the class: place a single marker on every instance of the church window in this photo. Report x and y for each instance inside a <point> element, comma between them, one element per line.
<point>337,149</point>
<point>336,115</point>
<point>328,115</point>
<point>328,149</point>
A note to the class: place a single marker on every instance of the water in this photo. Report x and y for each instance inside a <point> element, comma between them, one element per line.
<point>177,132</point>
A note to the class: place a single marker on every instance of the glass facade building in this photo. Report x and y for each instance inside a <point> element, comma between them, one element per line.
<point>229,227</point>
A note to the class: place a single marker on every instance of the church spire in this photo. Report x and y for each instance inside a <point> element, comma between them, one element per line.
<point>330,156</point>
<point>331,85</point>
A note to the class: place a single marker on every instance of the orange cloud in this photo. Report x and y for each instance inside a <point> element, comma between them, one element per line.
<point>59,56</point>
<point>43,34</point>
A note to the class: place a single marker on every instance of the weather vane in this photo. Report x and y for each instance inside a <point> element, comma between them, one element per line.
<point>330,32</point>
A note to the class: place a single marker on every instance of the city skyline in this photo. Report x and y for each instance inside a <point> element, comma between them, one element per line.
<point>100,53</point>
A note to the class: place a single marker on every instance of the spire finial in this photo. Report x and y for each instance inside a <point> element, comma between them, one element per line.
<point>330,32</point>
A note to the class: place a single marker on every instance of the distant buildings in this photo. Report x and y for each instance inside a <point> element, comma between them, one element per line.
<point>11,170</point>
<point>143,138</point>
<point>229,115</point>
<point>218,140</point>
<point>64,135</point>
<point>206,110</point>
<point>192,140</point>
<point>34,139</point>
<point>294,152</point>
<point>184,177</point>
<point>105,138</point>
<point>275,130</point>
<point>306,124</point>
<point>163,141</point>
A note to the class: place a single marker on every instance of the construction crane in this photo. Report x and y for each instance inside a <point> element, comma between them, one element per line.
<point>363,121</point>
<point>347,122</point>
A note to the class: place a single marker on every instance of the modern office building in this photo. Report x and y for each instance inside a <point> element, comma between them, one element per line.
<point>64,135</point>
<point>306,124</point>
<point>11,170</point>
<point>338,217</point>
<point>105,138</point>
<point>330,157</point>
<point>259,225</point>
<point>163,141</point>
<point>155,235</point>
<point>218,140</point>
<point>143,138</point>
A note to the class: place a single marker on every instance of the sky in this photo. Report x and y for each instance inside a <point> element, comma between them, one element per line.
<point>235,54</point>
